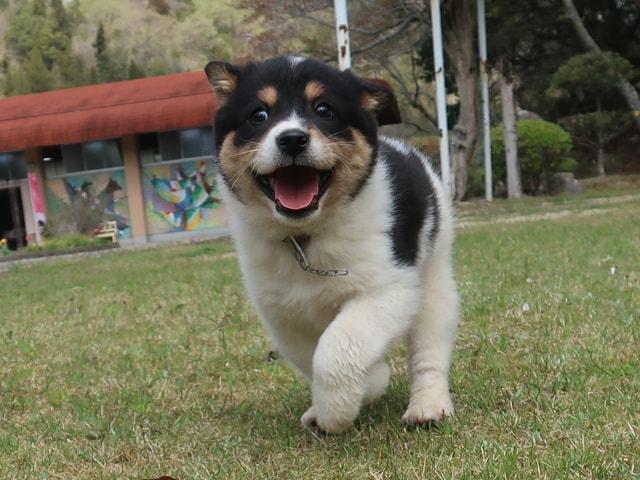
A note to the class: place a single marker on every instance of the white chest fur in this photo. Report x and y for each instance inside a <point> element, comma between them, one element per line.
<point>354,237</point>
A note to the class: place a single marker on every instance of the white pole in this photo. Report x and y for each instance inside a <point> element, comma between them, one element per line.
<point>342,34</point>
<point>484,87</point>
<point>438,65</point>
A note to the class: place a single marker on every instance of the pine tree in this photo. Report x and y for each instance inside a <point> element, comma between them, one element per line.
<point>592,78</point>
<point>135,71</point>
<point>93,76</point>
<point>104,65</point>
<point>62,27</point>
<point>40,34</point>
<point>69,71</point>
<point>38,76</point>
<point>100,43</point>
<point>24,30</point>
<point>6,85</point>
<point>39,7</point>
<point>15,82</point>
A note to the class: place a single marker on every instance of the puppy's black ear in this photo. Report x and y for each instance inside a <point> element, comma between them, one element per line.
<point>379,99</point>
<point>223,77</point>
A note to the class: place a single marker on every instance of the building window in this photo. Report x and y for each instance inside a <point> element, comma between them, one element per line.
<point>169,145</point>
<point>81,157</point>
<point>191,143</point>
<point>175,145</point>
<point>71,156</point>
<point>188,143</point>
<point>149,148</point>
<point>12,166</point>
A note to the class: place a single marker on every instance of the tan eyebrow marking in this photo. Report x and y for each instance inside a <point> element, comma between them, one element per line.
<point>268,95</point>
<point>313,90</point>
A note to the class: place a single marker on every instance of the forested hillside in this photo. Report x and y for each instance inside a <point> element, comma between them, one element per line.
<point>55,43</point>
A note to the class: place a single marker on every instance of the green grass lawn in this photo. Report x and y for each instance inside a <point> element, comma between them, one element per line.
<point>134,365</point>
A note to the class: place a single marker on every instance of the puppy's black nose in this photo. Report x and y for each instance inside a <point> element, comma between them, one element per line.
<point>292,141</point>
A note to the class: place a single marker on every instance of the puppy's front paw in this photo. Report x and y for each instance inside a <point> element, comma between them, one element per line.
<point>428,410</point>
<point>324,422</point>
<point>308,419</point>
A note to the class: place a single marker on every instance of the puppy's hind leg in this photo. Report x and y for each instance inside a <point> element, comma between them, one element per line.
<point>431,341</point>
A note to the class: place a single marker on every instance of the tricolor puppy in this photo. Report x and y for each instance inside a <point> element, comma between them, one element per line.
<point>344,236</point>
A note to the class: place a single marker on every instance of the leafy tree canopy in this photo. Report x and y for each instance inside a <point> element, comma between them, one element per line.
<point>535,38</point>
<point>590,75</point>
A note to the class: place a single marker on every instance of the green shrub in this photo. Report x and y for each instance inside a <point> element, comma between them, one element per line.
<point>475,181</point>
<point>65,242</point>
<point>544,148</point>
<point>80,216</point>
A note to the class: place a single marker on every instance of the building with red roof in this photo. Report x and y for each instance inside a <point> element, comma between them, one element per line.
<point>139,151</point>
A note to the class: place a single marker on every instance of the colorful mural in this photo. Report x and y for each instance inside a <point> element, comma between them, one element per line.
<point>181,197</point>
<point>106,187</point>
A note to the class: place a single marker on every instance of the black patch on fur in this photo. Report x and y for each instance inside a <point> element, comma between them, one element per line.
<point>413,198</point>
<point>433,215</point>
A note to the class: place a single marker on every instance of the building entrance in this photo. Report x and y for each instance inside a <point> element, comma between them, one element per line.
<point>12,225</point>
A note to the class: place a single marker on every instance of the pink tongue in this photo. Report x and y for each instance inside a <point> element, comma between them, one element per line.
<point>296,187</point>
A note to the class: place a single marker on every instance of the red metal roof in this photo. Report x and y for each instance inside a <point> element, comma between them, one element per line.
<point>108,110</point>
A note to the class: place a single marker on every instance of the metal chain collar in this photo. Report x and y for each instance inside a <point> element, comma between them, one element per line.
<point>304,262</point>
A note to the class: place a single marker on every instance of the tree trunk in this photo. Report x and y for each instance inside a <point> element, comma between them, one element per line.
<point>600,160</point>
<point>459,24</point>
<point>601,157</point>
<point>514,184</point>
<point>464,133</point>
<point>627,90</point>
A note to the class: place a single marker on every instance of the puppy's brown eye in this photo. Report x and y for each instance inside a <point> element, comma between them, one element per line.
<point>259,115</point>
<point>323,110</point>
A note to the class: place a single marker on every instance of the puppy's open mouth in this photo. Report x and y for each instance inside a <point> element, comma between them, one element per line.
<point>296,191</point>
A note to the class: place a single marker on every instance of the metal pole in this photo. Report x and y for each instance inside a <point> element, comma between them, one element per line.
<point>342,34</point>
<point>438,65</point>
<point>484,88</point>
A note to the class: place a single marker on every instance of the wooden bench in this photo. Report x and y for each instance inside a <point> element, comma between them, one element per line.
<point>108,230</point>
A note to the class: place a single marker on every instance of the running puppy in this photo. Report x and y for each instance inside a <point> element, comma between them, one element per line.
<point>344,236</point>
